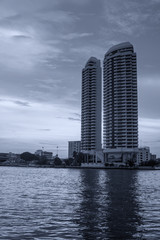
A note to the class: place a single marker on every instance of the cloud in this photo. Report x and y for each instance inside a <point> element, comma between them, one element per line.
<point>47,143</point>
<point>150,124</point>
<point>130,17</point>
<point>70,118</point>
<point>74,119</point>
<point>9,102</point>
<point>68,60</point>
<point>21,103</point>
<point>36,124</point>
<point>149,132</point>
<point>57,16</point>
<point>74,35</point>
<point>21,37</point>
<point>148,89</point>
<point>26,53</point>
<point>88,50</point>
<point>77,114</point>
<point>44,45</point>
<point>45,129</point>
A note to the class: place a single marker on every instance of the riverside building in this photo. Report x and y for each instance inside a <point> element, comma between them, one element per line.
<point>91,110</point>
<point>120,106</point>
<point>73,146</point>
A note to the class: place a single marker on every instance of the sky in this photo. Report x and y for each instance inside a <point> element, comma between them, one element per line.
<point>44,44</point>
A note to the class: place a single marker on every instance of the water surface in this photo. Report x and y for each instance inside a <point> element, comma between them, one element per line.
<point>49,203</point>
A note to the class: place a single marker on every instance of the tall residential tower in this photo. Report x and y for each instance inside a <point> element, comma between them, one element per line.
<point>120,107</point>
<point>91,107</point>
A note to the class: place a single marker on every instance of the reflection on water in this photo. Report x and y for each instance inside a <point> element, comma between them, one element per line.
<point>79,204</point>
<point>149,203</point>
<point>92,210</point>
<point>109,208</point>
<point>123,217</point>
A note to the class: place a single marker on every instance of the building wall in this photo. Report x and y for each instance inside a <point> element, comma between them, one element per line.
<point>153,157</point>
<point>39,153</point>
<point>120,107</point>
<point>121,155</point>
<point>143,154</point>
<point>48,155</point>
<point>91,106</point>
<point>73,146</point>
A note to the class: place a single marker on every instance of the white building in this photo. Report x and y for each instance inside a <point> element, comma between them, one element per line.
<point>120,107</point>
<point>39,153</point>
<point>91,109</point>
<point>143,154</point>
<point>48,155</point>
<point>73,146</point>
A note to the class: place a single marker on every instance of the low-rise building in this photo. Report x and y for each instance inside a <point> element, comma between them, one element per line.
<point>48,155</point>
<point>121,156</point>
<point>39,153</point>
<point>143,154</point>
<point>73,146</point>
<point>153,157</point>
<point>12,157</point>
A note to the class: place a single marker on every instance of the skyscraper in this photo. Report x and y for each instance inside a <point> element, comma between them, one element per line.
<point>91,107</point>
<point>120,107</point>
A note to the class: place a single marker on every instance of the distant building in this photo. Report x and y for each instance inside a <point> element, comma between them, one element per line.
<point>39,153</point>
<point>73,146</point>
<point>48,155</point>
<point>12,157</point>
<point>143,154</point>
<point>153,157</point>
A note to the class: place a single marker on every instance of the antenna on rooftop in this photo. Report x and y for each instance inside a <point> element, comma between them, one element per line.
<point>57,150</point>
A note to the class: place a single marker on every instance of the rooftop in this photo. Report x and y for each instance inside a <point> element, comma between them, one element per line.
<point>119,46</point>
<point>91,61</point>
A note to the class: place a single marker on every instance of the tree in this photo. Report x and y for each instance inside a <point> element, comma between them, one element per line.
<point>68,161</point>
<point>131,163</point>
<point>27,156</point>
<point>80,158</point>
<point>151,163</point>
<point>43,160</point>
<point>57,161</point>
<point>74,154</point>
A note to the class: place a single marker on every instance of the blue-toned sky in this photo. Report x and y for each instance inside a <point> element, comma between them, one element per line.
<point>44,45</point>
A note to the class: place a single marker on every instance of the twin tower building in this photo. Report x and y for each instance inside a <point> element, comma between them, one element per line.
<point>120,106</point>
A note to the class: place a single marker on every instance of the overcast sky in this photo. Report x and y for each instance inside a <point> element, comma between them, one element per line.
<point>44,44</point>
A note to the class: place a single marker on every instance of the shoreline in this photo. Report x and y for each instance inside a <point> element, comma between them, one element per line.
<point>79,167</point>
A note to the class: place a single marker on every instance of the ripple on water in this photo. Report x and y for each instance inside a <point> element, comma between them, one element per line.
<point>79,204</point>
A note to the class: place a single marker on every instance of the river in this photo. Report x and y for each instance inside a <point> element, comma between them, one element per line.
<point>50,203</point>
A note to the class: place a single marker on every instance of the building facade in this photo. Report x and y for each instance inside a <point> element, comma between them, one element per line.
<point>91,107</point>
<point>120,106</point>
<point>143,154</point>
<point>73,146</point>
<point>47,155</point>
